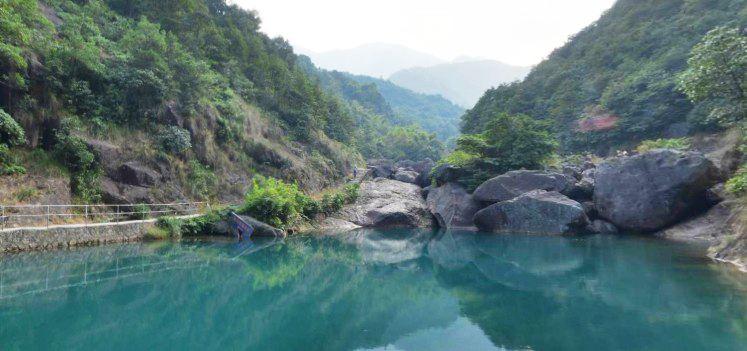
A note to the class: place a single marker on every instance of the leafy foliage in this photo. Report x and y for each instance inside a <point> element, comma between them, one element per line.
<point>283,205</point>
<point>277,203</point>
<point>508,143</point>
<point>11,133</point>
<point>717,73</point>
<point>175,140</point>
<point>85,171</point>
<point>674,143</point>
<point>623,68</point>
<point>737,184</point>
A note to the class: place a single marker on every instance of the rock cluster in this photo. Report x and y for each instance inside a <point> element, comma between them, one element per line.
<point>642,193</point>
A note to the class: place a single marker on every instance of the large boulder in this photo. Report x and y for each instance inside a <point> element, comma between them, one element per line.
<point>406,176</point>
<point>535,212</point>
<point>113,192</point>
<point>650,191</point>
<point>514,183</point>
<point>261,229</point>
<point>423,168</point>
<point>135,173</point>
<point>385,203</point>
<point>452,206</point>
<point>381,168</point>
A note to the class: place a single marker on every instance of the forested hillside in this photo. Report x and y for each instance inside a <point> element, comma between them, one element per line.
<point>615,83</point>
<point>390,125</point>
<point>433,113</point>
<point>189,94</point>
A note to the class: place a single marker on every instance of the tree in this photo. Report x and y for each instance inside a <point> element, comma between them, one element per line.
<point>512,141</point>
<point>19,27</point>
<point>717,72</point>
<point>509,142</point>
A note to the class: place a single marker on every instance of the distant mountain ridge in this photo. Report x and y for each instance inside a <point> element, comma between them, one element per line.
<point>375,60</point>
<point>396,105</point>
<point>461,82</point>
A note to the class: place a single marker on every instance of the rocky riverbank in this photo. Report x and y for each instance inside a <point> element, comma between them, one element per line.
<point>676,195</point>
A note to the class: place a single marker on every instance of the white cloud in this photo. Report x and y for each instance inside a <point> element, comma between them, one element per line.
<point>513,31</point>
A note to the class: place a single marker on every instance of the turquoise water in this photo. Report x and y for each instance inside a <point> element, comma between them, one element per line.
<point>375,290</point>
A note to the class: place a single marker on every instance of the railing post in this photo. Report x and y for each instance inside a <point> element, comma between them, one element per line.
<point>2,218</point>
<point>85,219</point>
<point>47,216</point>
<point>117,215</point>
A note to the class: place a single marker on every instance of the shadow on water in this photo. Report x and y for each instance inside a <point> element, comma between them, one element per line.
<point>396,289</point>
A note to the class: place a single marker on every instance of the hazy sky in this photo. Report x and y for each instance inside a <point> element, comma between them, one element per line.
<point>513,31</point>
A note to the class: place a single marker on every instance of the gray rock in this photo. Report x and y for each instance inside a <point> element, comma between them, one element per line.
<point>538,211</point>
<point>584,188</point>
<point>650,191</point>
<point>423,168</point>
<point>572,171</point>
<point>599,226</point>
<point>426,190</point>
<point>452,206</point>
<point>381,168</point>
<point>135,173</point>
<point>110,192</point>
<point>118,193</point>
<point>407,176</point>
<point>261,229</point>
<point>514,183</point>
<point>709,228</point>
<point>385,202</point>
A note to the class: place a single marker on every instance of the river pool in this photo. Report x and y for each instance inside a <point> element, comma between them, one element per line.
<point>375,290</point>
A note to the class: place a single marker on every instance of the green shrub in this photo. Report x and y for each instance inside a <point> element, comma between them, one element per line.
<point>173,227</point>
<point>351,192</point>
<point>276,203</point>
<point>458,158</point>
<point>174,140</point>
<point>11,133</point>
<point>202,180</point>
<point>737,185</point>
<point>332,202</point>
<point>675,143</point>
<point>140,211</point>
<point>73,152</point>
<point>26,193</point>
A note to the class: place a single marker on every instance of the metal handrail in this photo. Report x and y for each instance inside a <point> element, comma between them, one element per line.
<point>176,208</point>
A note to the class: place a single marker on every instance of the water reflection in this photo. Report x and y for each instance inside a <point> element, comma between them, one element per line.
<point>374,290</point>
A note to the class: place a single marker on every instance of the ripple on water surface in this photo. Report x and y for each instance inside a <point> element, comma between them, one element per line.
<point>375,290</point>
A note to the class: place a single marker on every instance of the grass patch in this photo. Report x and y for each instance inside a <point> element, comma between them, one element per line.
<point>26,193</point>
<point>674,143</point>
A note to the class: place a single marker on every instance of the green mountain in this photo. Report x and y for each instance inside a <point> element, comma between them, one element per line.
<point>392,122</point>
<point>433,113</point>
<point>614,83</point>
